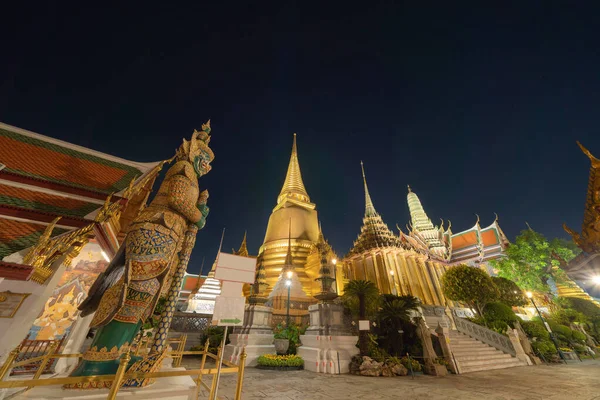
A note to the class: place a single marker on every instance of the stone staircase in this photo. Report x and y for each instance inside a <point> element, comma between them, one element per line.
<point>472,355</point>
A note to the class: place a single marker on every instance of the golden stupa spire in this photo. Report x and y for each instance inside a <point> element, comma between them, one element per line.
<point>293,187</point>
<point>369,207</point>
<point>243,250</point>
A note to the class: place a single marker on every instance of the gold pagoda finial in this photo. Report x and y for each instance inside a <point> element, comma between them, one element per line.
<point>594,160</point>
<point>243,250</point>
<point>369,207</point>
<point>409,191</point>
<point>293,187</point>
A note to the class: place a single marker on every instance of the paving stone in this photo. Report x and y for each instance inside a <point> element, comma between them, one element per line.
<point>574,381</point>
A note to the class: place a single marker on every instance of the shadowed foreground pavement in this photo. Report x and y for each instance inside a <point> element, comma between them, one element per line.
<point>574,381</point>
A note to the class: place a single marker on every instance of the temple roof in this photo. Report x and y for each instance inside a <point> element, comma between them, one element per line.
<point>43,178</point>
<point>293,187</point>
<point>374,233</point>
<point>16,235</point>
<point>423,228</point>
<point>32,155</point>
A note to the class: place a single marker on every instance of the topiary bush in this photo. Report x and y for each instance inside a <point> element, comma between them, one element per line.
<point>544,347</point>
<point>497,311</point>
<point>535,329</point>
<point>579,336</point>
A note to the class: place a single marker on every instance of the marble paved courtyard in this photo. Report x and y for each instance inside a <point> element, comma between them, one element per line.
<point>574,381</point>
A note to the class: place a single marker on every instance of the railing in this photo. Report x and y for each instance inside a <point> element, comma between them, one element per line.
<point>121,375</point>
<point>34,348</point>
<point>485,335</point>
<point>190,322</point>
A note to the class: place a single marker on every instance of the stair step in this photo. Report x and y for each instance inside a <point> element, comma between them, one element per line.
<point>501,361</point>
<point>487,367</point>
<point>474,346</point>
<point>472,357</point>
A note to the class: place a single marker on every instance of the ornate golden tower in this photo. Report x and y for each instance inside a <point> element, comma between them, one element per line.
<point>293,203</point>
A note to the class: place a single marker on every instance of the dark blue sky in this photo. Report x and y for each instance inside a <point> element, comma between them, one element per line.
<point>476,107</point>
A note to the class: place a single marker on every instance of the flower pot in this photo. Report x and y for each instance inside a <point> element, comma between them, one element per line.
<point>281,346</point>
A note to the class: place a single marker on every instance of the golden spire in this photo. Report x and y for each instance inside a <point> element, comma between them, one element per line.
<point>369,207</point>
<point>293,187</point>
<point>243,250</point>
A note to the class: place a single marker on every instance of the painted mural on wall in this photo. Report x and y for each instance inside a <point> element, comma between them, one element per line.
<point>60,311</point>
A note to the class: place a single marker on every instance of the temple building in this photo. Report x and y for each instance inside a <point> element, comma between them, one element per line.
<point>585,268</point>
<point>293,208</point>
<point>64,210</point>
<point>414,262</point>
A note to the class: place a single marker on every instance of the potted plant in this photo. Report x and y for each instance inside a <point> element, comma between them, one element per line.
<point>281,342</point>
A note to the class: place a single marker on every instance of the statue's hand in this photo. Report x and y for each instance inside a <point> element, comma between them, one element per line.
<point>204,211</point>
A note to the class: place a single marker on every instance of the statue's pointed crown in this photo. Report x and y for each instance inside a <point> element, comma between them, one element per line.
<point>199,142</point>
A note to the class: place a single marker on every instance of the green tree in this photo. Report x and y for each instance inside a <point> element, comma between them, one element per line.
<point>361,296</point>
<point>469,285</point>
<point>530,260</point>
<point>508,292</point>
<point>394,315</point>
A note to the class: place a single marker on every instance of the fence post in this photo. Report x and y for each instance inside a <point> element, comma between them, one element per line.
<point>213,387</point>
<point>7,366</point>
<point>114,388</point>
<point>240,379</point>
<point>199,378</point>
<point>51,350</point>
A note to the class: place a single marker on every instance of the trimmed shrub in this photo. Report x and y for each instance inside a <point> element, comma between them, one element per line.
<point>535,329</point>
<point>416,366</point>
<point>274,360</point>
<point>544,347</point>
<point>499,312</point>
<point>579,336</point>
<point>563,332</point>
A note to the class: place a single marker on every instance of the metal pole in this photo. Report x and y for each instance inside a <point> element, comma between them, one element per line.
<point>116,384</point>
<point>9,362</point>
<point>562,356</point>
<point>288,307</point>
<point>220,360</point>
<point>240,380</point>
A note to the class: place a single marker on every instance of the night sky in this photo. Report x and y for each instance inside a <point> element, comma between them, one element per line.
<point>478,109</point>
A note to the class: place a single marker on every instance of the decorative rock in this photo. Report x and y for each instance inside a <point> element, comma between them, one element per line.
<point>369,367</point>
<point>386,370</point>
<point>399,370</point>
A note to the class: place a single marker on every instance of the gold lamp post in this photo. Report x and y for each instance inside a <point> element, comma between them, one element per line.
<point>562,356</point>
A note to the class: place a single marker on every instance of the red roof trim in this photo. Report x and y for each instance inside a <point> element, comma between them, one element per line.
<point>41,216</point>
<point>13,177</point>
<point>16,272</point>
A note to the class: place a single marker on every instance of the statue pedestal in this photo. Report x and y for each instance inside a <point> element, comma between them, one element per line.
<point>170,388</point>
<point>256,336</point>
<point>328,346</point>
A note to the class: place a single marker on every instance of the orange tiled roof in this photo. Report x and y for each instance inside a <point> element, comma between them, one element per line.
<point>465,240</point>
<point>489,237</point>
<point>190,282</point>
<point>36,158</point>
<point>16,235</point>
<point>34,200</point>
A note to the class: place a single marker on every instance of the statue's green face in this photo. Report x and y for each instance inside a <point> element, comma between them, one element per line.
<point>202,164</point>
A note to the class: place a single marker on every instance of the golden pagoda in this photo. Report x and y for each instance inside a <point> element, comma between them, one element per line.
<point>393,264</point>
<point>586,266</point>
<point>293,204</point>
